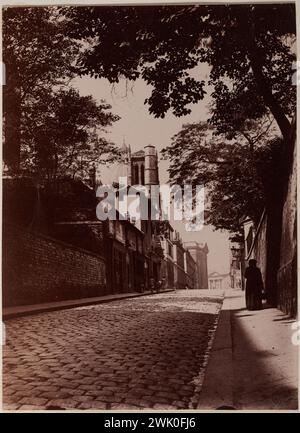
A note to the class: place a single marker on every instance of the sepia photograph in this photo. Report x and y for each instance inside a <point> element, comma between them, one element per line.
<point>149,209</point>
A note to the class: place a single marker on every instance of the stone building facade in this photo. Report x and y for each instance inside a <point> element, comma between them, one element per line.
<point>199,253</point>
<point>217,281</point>
<point>125,257</point>
<point>167,274</point>
<point>180,279</point>
<point>190,270</point>
<point>174,264</point>
<point>142,169</point>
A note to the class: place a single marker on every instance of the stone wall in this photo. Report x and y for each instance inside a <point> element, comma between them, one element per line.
<point>179,272</point>
<point>37,269</point>
<point>275,243</point>
<point>287,273</point>
<point>259,250</point>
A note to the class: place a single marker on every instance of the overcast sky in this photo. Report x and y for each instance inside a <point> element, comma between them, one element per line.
<point>139,128</point>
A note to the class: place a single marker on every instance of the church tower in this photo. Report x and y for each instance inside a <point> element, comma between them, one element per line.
<point>142,166</point>
<point>151,166</point>
<point>128,161</point>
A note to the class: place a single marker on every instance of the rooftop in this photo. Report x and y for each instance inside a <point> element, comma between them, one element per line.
<point>138,154</point>
<point>193,244</point>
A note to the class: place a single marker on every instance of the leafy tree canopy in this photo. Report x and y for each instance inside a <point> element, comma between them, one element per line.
<point>36,51</point>
<point>246,46</point>
<point>248,49</point>
<point>37,55</point>
<point>237,177</point>
<point>49,129</point>
<point>62,135</point>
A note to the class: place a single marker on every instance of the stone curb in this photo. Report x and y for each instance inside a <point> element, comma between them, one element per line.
<point>217,388</point>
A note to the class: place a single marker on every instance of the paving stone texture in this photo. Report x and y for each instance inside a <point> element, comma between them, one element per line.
<point>142,353</point>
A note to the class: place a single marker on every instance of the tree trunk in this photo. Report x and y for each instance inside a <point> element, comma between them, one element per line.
<point>266,93</point>
<point>263,84</point>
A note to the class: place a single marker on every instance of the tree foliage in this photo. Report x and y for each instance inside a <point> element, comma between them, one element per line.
<point>236,176</point>
<point>246,46</point>
<point>49,129</point>
<point>37,55</point>
<point>248,49</point>
<point>63,135</point>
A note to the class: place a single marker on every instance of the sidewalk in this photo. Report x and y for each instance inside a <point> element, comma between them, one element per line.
<point>26,310</point>
<point>253,364</point>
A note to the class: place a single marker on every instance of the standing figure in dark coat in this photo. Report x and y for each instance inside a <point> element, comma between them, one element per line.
<point>254,286</point>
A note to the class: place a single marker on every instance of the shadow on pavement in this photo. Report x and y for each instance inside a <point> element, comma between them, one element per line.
<point>264,363</point>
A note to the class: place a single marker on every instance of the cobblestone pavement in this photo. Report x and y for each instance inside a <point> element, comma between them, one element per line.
<point>142,353</point>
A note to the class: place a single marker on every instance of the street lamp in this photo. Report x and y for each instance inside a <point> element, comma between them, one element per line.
<point>236,266</point>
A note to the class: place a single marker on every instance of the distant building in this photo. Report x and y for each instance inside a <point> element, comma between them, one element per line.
<point>190,270</point>
<point>199,254</point>
<point>179,268</point>
<point>166,260</point>
<point>217,281</point>
<point>167,268</point>
<point>143,166</point>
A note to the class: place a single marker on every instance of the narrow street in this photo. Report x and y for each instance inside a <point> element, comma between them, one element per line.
<point>143,353</point>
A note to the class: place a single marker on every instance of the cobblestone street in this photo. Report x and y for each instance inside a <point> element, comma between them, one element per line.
<point>141,353</point>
